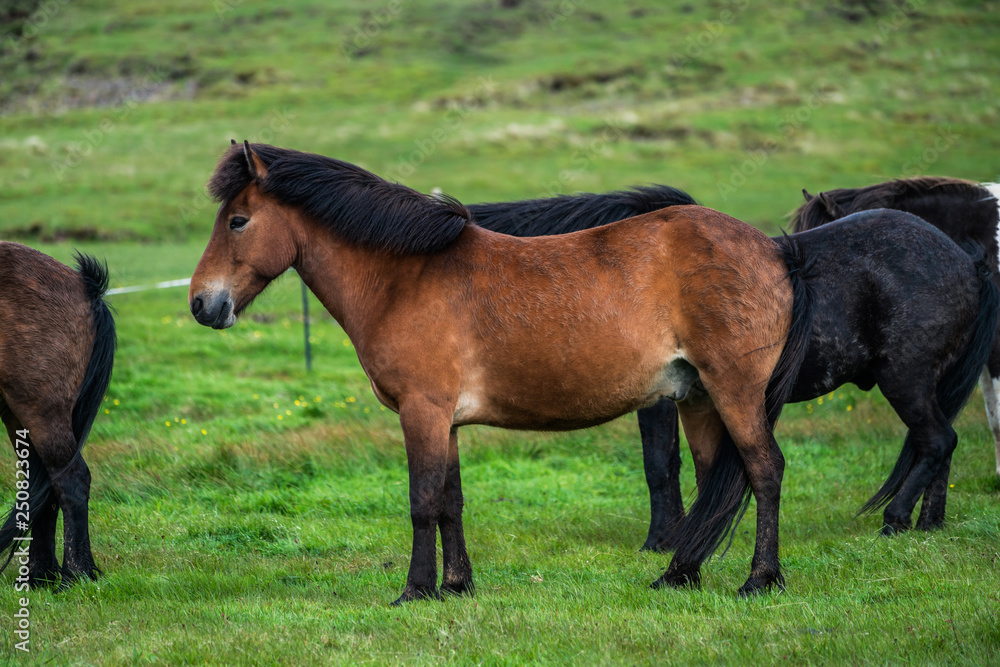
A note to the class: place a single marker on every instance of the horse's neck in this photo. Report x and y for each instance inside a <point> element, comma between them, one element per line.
<point>354,284</point>
<point>962,217</point>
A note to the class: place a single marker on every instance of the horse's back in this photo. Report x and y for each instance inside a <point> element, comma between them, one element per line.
<point>886,284</point>
<point>888,239</point>
<point>628,303</point>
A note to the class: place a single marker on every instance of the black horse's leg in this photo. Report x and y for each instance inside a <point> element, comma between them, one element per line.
<point>426,431</point>
<point>934,447</point>
<point>457,569</point>
<point>43,566</point>
<point>72,489</point>
<point>933,440</point>
<point>932,508</point>
<point>661,458</point>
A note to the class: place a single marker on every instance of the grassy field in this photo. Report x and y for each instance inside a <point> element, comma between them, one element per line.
<point>245,511</point>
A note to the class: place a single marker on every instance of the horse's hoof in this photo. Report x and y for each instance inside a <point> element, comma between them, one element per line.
<point>71,576</point>
<point>678,578</point>
<point>930,524</point>
<point>659,545</point>
<point>893,527</point>
<point>458,588</point>
<point>43,579</point>
<point>758,584</point>
<point>412,593</point>
<point>749,589</point>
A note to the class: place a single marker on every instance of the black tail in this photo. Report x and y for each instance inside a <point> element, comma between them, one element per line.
<point>102,357</point>
<point>725,493</point>
<point>958,382</point>
<point>88,401</point>
<point>571,213</point>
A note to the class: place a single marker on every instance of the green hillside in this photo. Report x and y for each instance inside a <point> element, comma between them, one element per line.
<point>114,113</point>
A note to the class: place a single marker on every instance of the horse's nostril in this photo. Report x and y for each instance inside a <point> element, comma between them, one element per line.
<point>196,306</point>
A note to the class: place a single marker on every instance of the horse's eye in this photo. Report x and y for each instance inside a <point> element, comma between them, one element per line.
<point>238,222</point>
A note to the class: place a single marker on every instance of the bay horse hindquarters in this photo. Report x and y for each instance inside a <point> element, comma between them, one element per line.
<point>57,344</point>
<point>456,325</point>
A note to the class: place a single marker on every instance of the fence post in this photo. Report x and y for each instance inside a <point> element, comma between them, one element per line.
<point>305,322</point>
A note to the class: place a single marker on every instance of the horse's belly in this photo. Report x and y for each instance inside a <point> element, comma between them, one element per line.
<point>572,400</point>
<point>831,361</point>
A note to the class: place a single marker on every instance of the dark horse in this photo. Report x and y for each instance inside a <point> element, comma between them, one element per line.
<point>964,210</point>
<point>57,348</point>
<point>454,324</point>
<point>868,332</point>
<point>658,424</point>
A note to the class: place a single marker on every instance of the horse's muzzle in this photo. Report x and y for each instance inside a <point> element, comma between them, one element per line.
<point>214,310</point>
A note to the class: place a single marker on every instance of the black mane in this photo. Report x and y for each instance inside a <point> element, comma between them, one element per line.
<point>832,204</point>
<point>358,205</point>
<point>570,213</point>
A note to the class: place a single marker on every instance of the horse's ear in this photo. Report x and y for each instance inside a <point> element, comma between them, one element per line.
<point>805,193</point>
<point>258,170</point>
<point>830,205</point>
<point>232,141</point>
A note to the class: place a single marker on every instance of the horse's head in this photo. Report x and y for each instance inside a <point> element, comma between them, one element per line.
<point>818,210</point>
<point>253,241</point>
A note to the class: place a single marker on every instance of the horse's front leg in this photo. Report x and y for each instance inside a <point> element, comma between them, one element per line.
<point>426,430</point>
<point>457,575</point>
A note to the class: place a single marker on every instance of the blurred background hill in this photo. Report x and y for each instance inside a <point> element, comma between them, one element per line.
<point>112,114</point>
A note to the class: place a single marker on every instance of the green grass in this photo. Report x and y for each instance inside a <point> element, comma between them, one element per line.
<point>228,535</point>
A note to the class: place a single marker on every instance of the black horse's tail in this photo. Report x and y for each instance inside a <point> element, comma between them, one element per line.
<point>95,383</point>
<point>725,493</point>
<point>958,382</point>
<point>570,213</point>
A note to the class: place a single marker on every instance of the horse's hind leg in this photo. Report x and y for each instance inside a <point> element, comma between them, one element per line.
<point>765,466</point>
<point>933,440</point>
<point>43,566</point>
<point>704,429</point>
<point>73,492</point>
<point>662,462</point>
<point>752,456</point>
<point>70,478</point>
<point>935,497</point>
<point>457,569</point>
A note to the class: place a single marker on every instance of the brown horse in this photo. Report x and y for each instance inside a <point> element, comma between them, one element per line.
<point>57,347</point>
<point>454,325</point>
